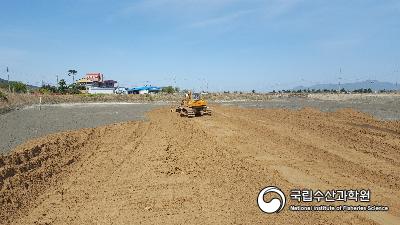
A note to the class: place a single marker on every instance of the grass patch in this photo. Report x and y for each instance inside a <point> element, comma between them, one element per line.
<point>3,96</point>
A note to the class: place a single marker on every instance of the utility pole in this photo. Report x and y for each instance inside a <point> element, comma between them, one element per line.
<point>397,88</point>
<point>8,80</point>
<point>340,74</point>
<point>57,81</point>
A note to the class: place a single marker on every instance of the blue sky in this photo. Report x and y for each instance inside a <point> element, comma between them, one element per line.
<point>227,44</point>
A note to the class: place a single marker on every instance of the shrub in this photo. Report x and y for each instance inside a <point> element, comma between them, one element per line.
<point>168,89</point>
<point>18,87</point>
<point>48,89</point>
<point>73,89</point>
<point>3,96</point>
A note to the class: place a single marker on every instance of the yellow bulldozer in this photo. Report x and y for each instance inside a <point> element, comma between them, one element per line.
<point>193,105</point>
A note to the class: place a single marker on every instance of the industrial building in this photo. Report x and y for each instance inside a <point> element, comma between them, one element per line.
<point>144,90</point>
<point>99,90</point>
<point>95,84</point>
<point>96,80</point>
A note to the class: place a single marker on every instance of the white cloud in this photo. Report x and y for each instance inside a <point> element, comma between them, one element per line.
<point>203,13</point>
<point>174,6</point>
<point>279,7</point>
<point>221,19</point>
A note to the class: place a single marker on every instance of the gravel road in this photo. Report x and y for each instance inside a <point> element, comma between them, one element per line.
<point>381,107</point>
<point>21,125</point>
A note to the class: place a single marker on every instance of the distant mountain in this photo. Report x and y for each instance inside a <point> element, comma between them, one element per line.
<point>373,84</point>
<point>3,84</point>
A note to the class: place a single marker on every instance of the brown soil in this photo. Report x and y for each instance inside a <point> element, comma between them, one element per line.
<point>208,170</point>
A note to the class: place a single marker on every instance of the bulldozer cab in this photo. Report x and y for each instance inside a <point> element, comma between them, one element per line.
<point>192,96</point>
<point>196,96</point>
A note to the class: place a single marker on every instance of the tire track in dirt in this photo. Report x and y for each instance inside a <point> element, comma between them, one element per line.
<point>330,171</point>
<point>209,170</point>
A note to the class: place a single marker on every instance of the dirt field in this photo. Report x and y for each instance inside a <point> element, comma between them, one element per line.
<point>209,170</point>
<point>30,122</point>
<point>15,101</point>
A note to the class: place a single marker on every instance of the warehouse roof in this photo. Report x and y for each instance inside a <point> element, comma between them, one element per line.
<point>149,88</point>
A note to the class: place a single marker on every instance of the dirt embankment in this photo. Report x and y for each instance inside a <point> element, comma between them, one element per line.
<point>207,170</point>
<point>35,166</point>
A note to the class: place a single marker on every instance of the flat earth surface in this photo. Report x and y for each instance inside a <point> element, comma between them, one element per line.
<point>381,107</point>
<point>205,170</point>
<point>21,125</point>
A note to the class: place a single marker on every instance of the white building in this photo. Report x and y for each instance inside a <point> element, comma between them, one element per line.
<point>142,92</point>
<point>97,90</point>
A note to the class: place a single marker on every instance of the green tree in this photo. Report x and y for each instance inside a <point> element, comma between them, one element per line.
<point>72,73</point>
<point>168,89</point>
<point>45,89</point>
<point>62,86</point>
<point>73,89</point>
<point>18,87</point>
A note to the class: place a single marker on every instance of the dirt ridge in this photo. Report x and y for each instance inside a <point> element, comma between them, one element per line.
<point>206,170</point>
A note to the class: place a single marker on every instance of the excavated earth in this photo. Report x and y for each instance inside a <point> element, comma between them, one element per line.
<point>206,170</point>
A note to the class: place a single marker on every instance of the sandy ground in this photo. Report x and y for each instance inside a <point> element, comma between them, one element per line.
<point>27,123</point>
<point>207,170</point>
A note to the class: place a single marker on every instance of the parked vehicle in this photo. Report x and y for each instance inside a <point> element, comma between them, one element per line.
<point>121,91</point>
